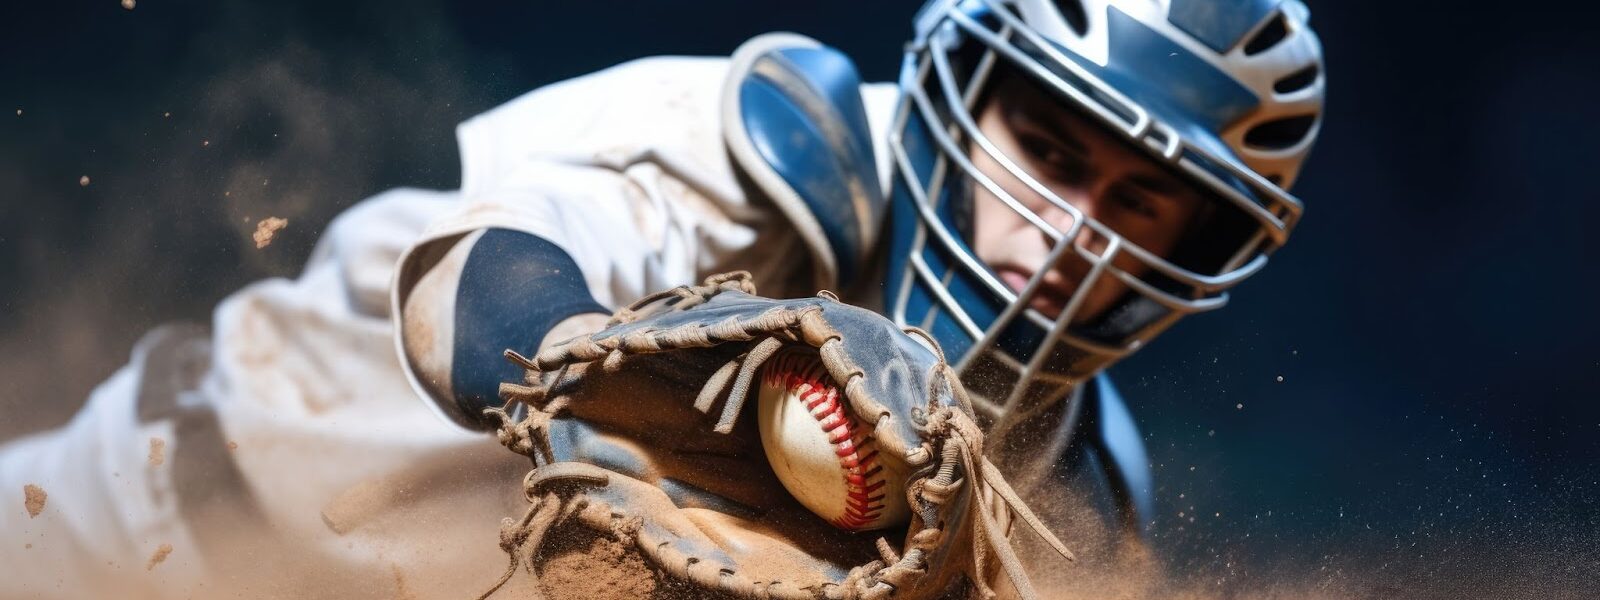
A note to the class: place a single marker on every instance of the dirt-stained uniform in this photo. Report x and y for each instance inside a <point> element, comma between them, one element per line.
<point>297,458</point>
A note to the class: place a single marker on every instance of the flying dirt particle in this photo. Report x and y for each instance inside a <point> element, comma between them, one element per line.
<point>1239,406</point>
<point>158,451</point>
<point>401,590</point>
<point>204,143</point>
<point>128,4</point>
<point>232,445</point>
<point>160,555</point>
<point>267,228</point>
<point>166,115</point>
<point>1280,379</point>
<point>33,497</point>
<point>83,181</point>
<point>19,112</point>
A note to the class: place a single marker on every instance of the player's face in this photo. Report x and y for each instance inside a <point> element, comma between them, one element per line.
<point>1084,165</point>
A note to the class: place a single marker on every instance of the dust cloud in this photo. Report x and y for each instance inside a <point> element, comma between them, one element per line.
<point>287,124</point>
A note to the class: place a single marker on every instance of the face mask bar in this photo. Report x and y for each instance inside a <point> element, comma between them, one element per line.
<point>1104,104</point>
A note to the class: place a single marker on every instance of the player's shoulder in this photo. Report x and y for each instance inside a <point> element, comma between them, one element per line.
<point>655,80</point>
<point>799,126</point>
<point>656,101</point>
<point>667,104</point>
<point>605,102</point>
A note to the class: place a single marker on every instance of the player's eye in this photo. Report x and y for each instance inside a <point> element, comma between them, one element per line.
<point>1134,201</point>
<point>1053,160</point>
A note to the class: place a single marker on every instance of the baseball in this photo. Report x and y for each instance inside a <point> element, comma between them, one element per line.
<point>826,457</point>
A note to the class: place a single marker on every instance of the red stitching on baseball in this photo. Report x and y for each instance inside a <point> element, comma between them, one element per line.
<point>858,457</point>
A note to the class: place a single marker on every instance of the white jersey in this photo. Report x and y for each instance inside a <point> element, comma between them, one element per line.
<point>285,453</point>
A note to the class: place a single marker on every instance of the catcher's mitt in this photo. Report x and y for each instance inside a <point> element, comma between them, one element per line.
<point>627,441</point>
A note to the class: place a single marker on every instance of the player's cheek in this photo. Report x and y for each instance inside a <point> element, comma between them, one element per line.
<point>993,227</point>
<point>1127,263</point>
<point>1106,291</point>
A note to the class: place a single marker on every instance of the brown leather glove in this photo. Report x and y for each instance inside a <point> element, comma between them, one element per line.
<point>638,434</point>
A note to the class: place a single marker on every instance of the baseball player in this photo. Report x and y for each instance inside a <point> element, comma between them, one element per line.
<point>1047,187</point>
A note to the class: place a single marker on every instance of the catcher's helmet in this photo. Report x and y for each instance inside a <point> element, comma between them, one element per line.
<point>1226,94</point>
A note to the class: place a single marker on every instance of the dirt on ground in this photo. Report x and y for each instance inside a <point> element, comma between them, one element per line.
<point>583,565</point>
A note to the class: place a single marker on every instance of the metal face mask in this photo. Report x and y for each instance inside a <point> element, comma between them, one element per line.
<point>1225,95</point>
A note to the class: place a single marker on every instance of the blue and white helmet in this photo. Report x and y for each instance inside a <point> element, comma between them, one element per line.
<point>1226,93</point>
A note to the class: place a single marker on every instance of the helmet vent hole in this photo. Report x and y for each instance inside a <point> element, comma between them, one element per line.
<point>1269,36</point>
<point>1073,12</point>
<point>1296,81</point>
<point>1279,134</point>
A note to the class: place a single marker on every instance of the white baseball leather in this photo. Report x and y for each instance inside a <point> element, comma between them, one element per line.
<point>822,453</point>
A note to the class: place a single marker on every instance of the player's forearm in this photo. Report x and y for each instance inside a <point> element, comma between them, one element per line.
<point>494,289</point>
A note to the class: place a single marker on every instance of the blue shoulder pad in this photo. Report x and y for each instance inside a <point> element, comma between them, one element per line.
<point>795,124</point>
<point>1119,440</point>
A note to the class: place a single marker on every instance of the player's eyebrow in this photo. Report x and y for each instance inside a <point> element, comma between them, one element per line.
<point>1028,110</point>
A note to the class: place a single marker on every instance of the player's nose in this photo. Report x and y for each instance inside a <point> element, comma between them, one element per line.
<point>1071,223</point>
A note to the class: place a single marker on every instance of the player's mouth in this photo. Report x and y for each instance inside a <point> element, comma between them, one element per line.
<point>1053,294</point>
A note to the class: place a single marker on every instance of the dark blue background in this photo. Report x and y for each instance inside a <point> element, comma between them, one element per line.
<point>1436,427</point>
